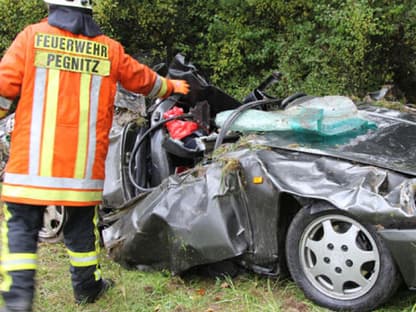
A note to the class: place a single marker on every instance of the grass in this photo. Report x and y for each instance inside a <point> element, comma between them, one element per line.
<point>137,291</point>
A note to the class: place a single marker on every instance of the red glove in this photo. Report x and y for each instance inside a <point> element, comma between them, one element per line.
<point>180,86</point>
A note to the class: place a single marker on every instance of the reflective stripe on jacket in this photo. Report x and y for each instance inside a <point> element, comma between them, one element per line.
<point>67,85</point>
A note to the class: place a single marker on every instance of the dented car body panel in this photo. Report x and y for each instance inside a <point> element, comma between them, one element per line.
<point>402,244</point>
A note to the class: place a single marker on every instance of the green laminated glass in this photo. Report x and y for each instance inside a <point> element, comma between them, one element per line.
<point>323,116</point>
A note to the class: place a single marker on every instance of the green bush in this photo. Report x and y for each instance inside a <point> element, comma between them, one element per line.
<point>148,30</point>
<point>15,15</point>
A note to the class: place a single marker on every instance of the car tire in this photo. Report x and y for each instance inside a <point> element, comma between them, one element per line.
<point>53,223</point>
<point>339,262</point>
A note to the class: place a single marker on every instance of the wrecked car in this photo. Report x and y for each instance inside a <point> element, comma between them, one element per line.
<point>316,188</point>
<point>327,197</point>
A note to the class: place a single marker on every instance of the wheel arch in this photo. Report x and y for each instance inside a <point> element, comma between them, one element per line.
<point>288,206</point>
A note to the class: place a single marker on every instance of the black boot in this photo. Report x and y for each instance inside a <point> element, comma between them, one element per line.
<point>94,294</point>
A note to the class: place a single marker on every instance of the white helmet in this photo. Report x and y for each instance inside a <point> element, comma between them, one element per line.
<point>85,4</point>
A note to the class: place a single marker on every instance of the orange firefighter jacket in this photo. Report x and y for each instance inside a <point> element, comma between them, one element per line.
<point>66,85</point>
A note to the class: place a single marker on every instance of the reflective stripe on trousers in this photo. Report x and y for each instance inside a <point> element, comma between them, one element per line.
<point>19,248</point>
<point>82,240</point>
<point>19,234</point>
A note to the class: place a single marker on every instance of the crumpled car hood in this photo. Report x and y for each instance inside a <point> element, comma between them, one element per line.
<point>217,212</point>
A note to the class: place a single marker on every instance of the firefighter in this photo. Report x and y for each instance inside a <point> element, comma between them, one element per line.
<point>64,71</point>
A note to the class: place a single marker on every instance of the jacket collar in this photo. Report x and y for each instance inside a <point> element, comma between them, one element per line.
<point>76,20</point>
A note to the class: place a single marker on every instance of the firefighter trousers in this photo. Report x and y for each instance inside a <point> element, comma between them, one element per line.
<point>19,237</point>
